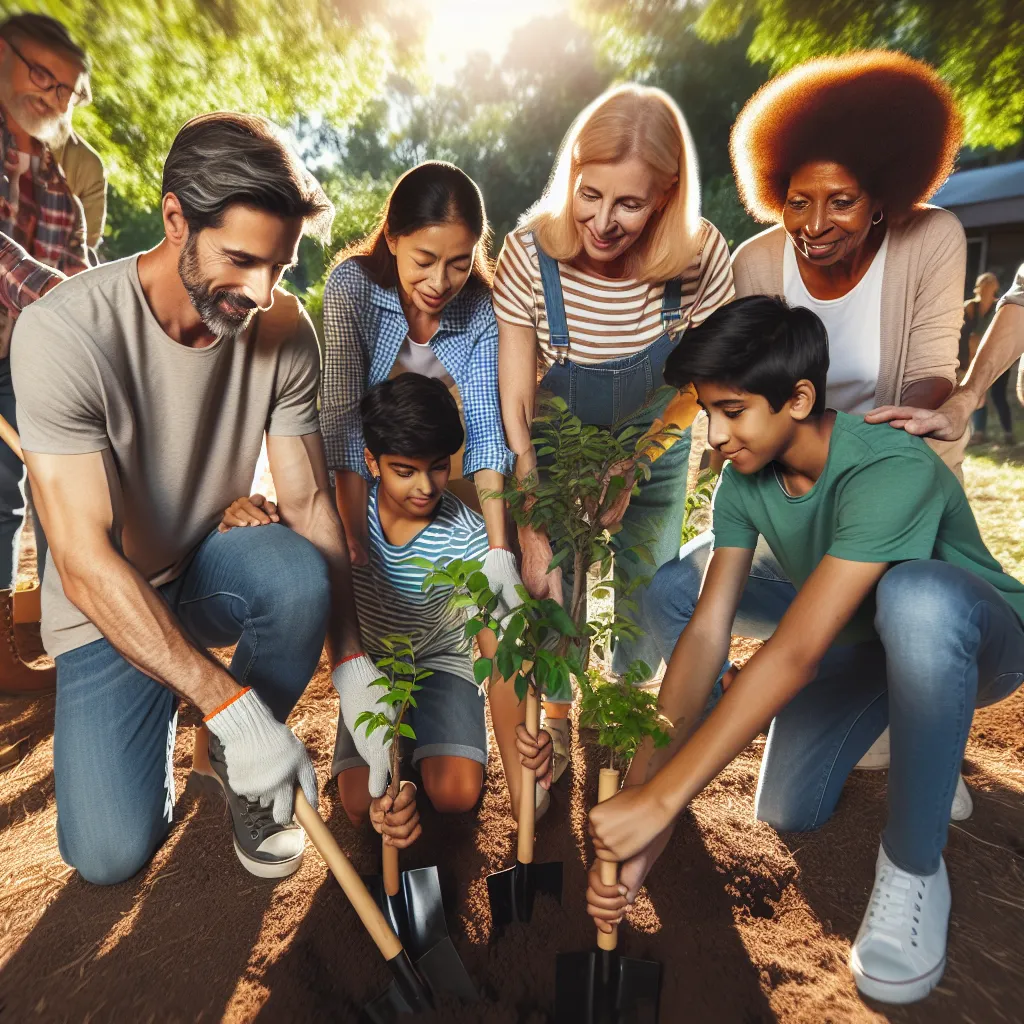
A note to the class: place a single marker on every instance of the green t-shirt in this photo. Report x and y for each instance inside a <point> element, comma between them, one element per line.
<point>884,496</point>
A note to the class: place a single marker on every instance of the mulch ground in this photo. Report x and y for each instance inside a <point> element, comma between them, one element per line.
<point>750,926</point>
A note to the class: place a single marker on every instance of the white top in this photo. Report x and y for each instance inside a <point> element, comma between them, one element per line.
<point>416,358</point>
<point>854,325</point>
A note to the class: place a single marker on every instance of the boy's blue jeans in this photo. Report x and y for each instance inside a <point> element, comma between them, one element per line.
<point>113,740</point>
<point>948,643</point>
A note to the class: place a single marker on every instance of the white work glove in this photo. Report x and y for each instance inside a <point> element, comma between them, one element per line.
<point>503,577</point>
<point>264,757</point>
<point>352,679</point>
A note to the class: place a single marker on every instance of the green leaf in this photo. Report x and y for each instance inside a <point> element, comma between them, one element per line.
<point>559,559</point>
<point>482,670</point>
<point>406,730</point>
<point>473,626</point>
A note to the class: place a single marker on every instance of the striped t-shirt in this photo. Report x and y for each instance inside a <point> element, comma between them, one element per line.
<point>608,319</point>
<point>388,593</point>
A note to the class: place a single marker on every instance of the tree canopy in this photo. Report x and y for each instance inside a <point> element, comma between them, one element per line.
<point>156,64</point>
<point>977,45</point>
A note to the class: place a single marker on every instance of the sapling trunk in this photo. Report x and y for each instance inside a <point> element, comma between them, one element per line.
<point>607,787</point>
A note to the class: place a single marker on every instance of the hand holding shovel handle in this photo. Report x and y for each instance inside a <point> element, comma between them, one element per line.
<point>389,853</point>
<point>607,787</point>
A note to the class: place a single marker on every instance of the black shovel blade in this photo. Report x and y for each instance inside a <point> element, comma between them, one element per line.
<point>512,891</point>
<point>407,994</point>
<point>601,987</point>
<point>416,914</point>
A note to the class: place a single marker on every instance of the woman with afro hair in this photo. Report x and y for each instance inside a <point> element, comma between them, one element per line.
<point>841,155</point>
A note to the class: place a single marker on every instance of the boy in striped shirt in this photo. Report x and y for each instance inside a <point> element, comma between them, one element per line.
<point>411,426</point>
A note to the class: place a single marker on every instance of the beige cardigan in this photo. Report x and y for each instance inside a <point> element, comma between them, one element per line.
<point>922,301</point>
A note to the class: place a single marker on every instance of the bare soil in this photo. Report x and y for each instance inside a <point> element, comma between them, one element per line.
<point>750,926</point>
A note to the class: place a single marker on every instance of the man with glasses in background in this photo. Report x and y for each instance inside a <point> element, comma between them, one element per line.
<point>44,74</point>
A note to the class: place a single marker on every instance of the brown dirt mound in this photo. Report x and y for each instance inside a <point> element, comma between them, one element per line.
<point>750,926</point>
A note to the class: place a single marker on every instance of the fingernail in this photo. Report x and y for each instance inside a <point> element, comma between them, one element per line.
<point>623,890</point>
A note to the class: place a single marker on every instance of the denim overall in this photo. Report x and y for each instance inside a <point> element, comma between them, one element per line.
<point>620,393</point>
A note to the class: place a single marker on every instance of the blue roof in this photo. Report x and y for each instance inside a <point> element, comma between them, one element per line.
<point>982,185</point>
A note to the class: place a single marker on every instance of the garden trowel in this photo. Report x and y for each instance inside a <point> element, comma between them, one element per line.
<point>414,983</point>
<point>412,905</point>
<point>600,986</point>
<point>512,891</point>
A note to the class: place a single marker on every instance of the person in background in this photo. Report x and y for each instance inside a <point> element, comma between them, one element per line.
<point>44,74</point>
<point>87,178</point>
<point>146,389</point>
<point>842,154</point>
<point>592,291</point>
<point>415,296</point>
<point>1000,347</point>
<point>902,615</point>
<point>979,311</point>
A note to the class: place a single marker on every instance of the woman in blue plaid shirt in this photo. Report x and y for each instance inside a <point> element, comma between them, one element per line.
<point>415,295</point>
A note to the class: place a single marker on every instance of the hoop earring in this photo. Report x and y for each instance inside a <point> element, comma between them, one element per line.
<point>880,216</point>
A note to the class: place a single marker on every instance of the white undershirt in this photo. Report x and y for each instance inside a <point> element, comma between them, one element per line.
<point>416,358</point>
<point>854,325</point>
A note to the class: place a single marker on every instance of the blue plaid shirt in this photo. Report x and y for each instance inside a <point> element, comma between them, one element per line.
<point>364,327</point>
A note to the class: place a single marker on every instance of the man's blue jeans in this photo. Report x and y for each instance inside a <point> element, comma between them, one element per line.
<point>948,643</point>
<point>113,741</point>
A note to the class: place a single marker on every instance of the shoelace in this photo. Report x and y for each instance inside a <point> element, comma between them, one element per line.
<point>896,904</point>
<point>255,816</point>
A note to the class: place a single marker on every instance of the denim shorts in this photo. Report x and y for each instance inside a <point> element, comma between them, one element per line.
<point>449,722</point>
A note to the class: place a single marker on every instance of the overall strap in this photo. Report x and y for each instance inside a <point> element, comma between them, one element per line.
<point>554,305</point>
<point>671,303</point>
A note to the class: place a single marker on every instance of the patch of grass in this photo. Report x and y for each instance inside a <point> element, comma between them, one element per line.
<point>994,478</point>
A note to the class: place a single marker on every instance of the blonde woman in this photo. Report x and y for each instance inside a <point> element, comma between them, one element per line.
<point>592,291</point>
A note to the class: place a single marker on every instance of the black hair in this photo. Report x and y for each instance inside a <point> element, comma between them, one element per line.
<point>435,192</point>
<point>411,415</point>
<point>225,159</point>
<point>759,344</point>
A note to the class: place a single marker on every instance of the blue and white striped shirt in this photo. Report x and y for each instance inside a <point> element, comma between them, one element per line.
<point>364,327</point>
<point>389,595</point>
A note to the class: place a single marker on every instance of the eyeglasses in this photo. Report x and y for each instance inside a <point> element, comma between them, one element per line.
<point>43,78</point>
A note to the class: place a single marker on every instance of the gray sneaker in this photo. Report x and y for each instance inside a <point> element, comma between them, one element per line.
<point>264,848</point>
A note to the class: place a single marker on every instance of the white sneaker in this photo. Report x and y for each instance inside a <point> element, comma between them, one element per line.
<point>877,756</point>
<point>963,805</point>
<point>560,739</point>
<point>900,951</point>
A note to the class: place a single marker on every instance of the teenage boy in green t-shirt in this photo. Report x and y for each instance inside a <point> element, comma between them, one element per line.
<point>901,617</point>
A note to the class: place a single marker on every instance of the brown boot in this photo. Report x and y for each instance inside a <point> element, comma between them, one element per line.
<point>16,678</point>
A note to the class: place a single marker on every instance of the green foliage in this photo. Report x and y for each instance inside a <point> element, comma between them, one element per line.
<point>696,501</point>
<point>155,65</point>
<point>623,713</point>
<point>400,681</point>
<point>534,634</point>
<point>977,46</point>
<point>585,470</point>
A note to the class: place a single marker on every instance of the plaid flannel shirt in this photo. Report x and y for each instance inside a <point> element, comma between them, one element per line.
<point>50,221</point>
<point>22,278</point>
<point>364,327</point>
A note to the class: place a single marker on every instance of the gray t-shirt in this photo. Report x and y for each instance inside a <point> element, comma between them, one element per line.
<point>1016,291</point>
<point>181,428</point>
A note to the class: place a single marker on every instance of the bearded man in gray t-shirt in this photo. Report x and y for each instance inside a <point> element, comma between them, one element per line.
<point>145,387</point>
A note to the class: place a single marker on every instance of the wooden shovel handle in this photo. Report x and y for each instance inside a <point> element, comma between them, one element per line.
<point>607,787</point>
<point>528,785</point>
<point>390,870</point>
<point>10,437</point>
<point>348,878</point>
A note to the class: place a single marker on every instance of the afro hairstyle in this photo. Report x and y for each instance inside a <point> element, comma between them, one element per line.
<point>887,118</point>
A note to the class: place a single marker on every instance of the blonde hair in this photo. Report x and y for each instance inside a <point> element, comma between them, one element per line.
<point>628,120</point>
<point>986,278</point>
